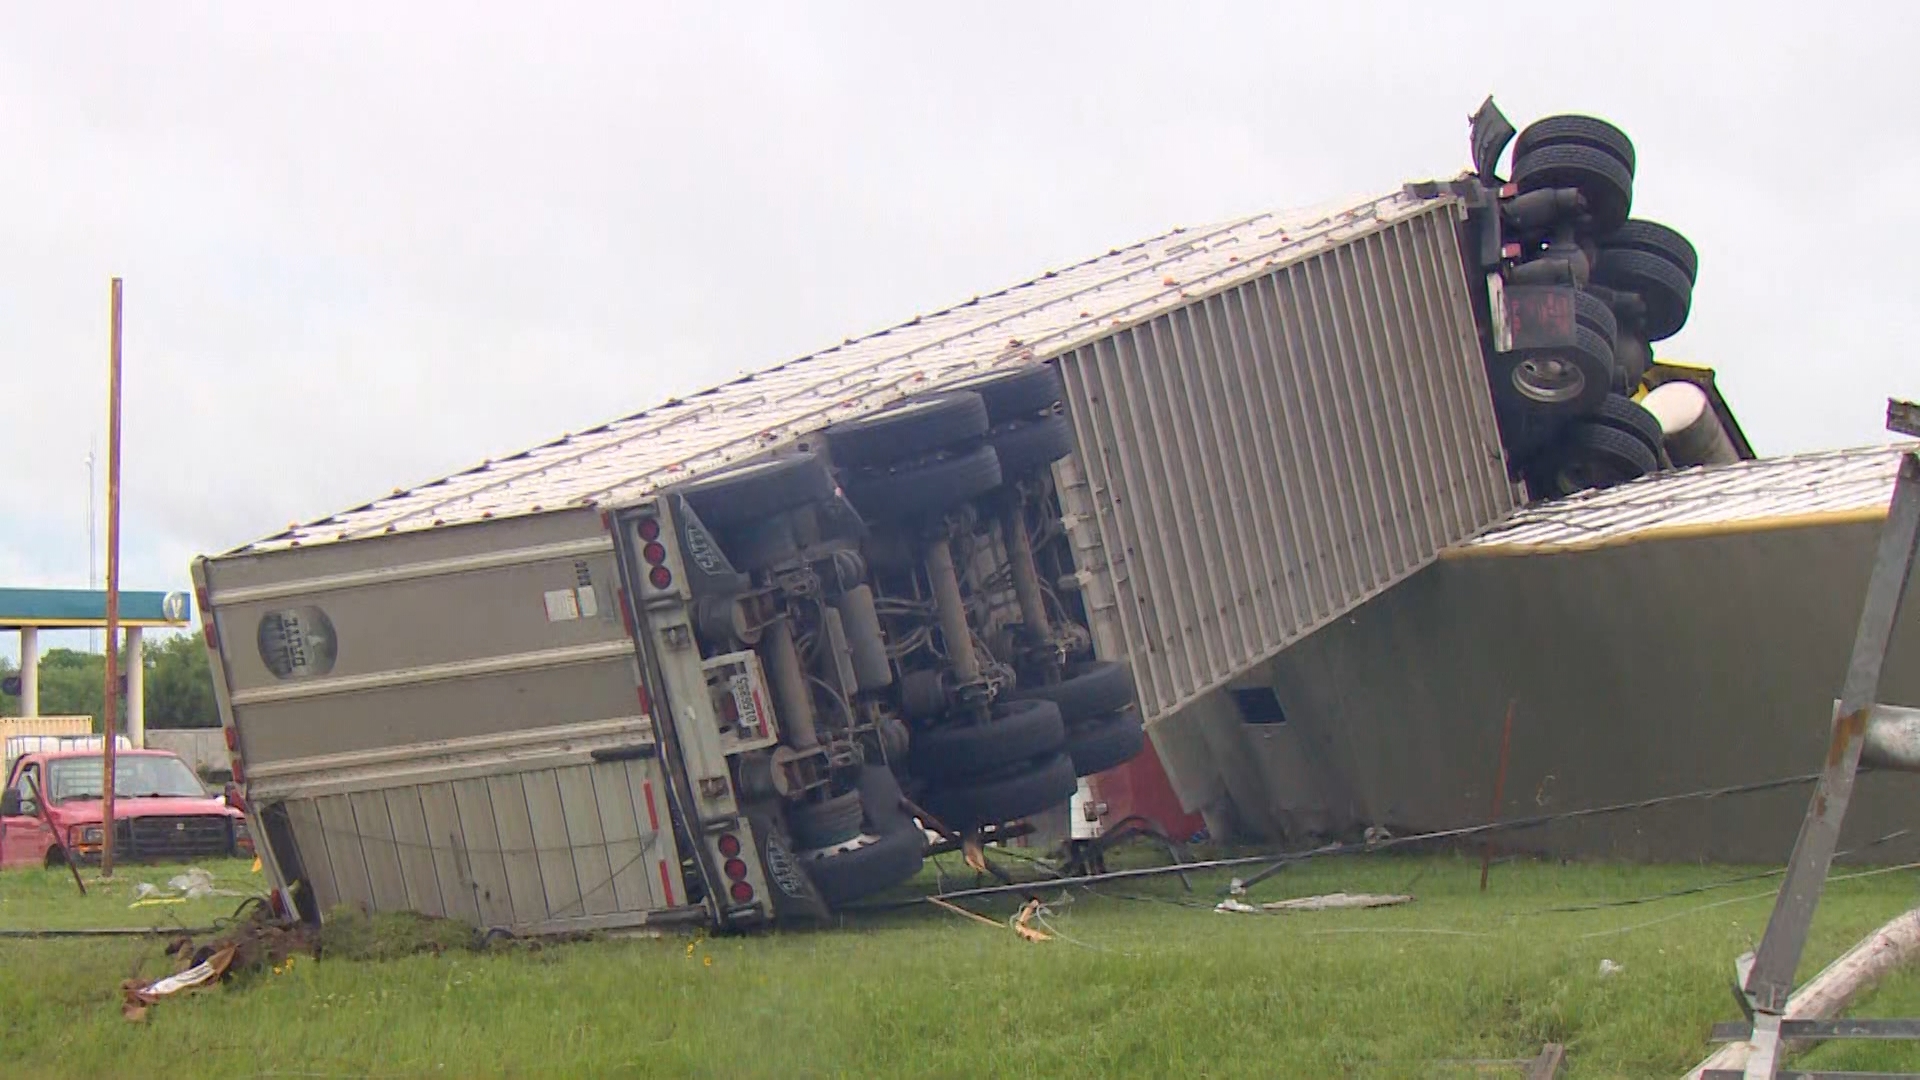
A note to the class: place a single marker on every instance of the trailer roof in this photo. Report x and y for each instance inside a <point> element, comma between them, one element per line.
<point>1037,320</point>
<point>1818,488</point>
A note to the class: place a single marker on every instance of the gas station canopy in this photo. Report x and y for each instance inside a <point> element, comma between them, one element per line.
<point>85,609</point>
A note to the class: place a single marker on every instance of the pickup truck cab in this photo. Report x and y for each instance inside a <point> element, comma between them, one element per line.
<point>161,810</point>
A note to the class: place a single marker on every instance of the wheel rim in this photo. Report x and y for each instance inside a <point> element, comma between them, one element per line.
<point>1549,379</point>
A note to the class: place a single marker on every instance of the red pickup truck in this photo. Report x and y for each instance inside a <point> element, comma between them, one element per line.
<point>161,810</point>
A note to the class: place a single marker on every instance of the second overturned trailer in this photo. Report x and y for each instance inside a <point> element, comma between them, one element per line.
<point>721,660</point>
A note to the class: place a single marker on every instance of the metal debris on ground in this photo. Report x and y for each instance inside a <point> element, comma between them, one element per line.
<point>195,884</point>
<point>1022,923</point>
<point>137,998</point>
<point>1328,902</point>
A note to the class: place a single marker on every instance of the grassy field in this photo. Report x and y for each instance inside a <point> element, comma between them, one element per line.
<point>1143,980</point>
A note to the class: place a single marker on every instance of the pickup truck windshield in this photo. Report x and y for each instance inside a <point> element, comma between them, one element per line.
<point>134,777</point>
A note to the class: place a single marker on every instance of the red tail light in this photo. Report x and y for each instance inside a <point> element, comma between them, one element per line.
<point>239,772</point>
<point>729,845</point>
<point>659,577</point>
<point>233,739</point>
<point>736,870</point>
<point>648,528</point>
<point>741,892</point>
<point>655,553</point>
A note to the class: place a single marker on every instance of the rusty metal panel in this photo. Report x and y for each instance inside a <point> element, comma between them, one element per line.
<point>1264,458</point>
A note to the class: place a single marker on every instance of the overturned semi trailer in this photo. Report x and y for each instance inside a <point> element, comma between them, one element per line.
<point>540,694</point>
<point>1684,632</point>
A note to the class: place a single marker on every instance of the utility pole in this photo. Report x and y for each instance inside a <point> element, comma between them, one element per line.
<point>93,547</point>
<point>111,704</point>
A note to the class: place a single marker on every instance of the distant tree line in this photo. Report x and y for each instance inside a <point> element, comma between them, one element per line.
<point>179,684</point>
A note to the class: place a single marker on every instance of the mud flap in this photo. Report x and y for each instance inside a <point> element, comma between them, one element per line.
<point>791,890</point>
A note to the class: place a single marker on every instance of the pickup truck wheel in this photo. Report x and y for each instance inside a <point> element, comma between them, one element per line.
<point>1017,731</point>
<point>926,489</point>
<point>1025,446</point>
<point>910,430</point>
<point>1015,394</point>
<point>1595,173</point>
<point>1567,381</point>
<point>1625,414</point>
<point>758,545</point>
<point>1047,784</point>
<point>1661,284</point>
<point>1089,689</point>
<point>824,824</point>
<point>753,490</point>
<point>1656,239</point>
<point>1589,455</point>
<point>1576,131</point>
<point>1106,743</point>
<point>1593,313</point>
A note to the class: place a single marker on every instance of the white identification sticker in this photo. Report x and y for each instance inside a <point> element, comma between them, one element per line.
<point>562,605</point>
<point>589,605</point>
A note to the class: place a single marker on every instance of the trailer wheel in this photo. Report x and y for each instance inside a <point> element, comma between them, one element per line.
<point>1018,731</point>
<point>1596,174</point>
<point>1593,313</point>
<point>1661,284</point>
<point>823,824</point>
<point>1015,393</point>
<point>926,489</point>
<point>758,545</point>
<point>1625,414</point>
<point>1576,131</point>
<point>889,853</point>
<point>923,695</point>
<point>1106,743</point>
<point>1089,689</point>
<point>909,430</point>
<point>1567,381</point>
<point>758,489</point>
<point>1654,238</point>
<point>1028,445</point>
<point>1050,782</point>
<point>1590,455</point>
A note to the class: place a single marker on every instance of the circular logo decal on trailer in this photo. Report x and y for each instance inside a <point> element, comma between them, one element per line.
<point>297,643</point>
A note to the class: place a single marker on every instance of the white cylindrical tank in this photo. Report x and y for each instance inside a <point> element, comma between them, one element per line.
<point>1694,435</point>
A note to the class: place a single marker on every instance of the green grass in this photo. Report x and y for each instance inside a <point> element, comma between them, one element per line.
<point>1144,987</point>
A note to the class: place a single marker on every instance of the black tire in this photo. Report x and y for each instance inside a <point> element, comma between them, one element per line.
<point>1018,731</point>
<point>1106,743</point>
<point>1091,689</point>
<point>1657,239</point>
<point>909,430</point>
<point>1593,313</point>
<point>758,489</point>
<point>1576,131</point>
<point>1590,456</point>
<point>1660,284</point>
<point>758,545</point>
<point>926,489</point>
<point>1598,175</point>
<point>1625,414</point>
<point>1025,446</point>
<point>1632,356</point>
<point>823,824</point>
<point>1015,394</point>
<point>1561,382</point>
<point>1048,784</point>
<point>886,860</point>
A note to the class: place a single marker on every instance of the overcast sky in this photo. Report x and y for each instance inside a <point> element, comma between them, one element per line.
<point>369,244</point>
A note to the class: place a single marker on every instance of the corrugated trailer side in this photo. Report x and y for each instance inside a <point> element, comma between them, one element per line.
<point>1260,461</point>
<point>503,770</point>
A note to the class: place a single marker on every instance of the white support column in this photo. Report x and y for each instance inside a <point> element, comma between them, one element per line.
<point>29,671</point>
<point>136,689</point>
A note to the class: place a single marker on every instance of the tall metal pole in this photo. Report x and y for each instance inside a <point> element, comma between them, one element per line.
<point>93,545</point>
<point>112,699</point>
